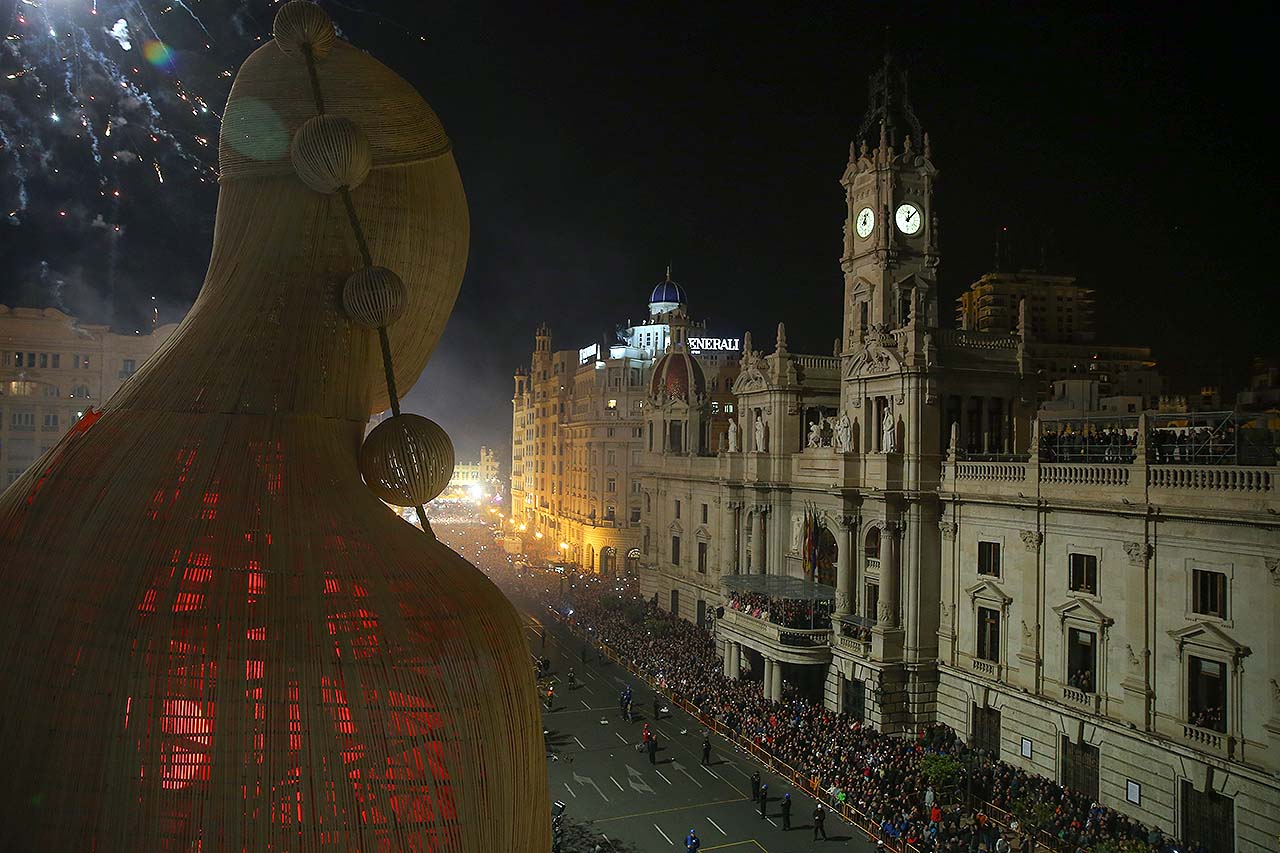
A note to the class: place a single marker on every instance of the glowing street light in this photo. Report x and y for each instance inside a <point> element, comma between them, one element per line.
<point>538,534</point>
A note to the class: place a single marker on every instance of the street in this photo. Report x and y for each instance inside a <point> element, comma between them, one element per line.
<point>608,785</point>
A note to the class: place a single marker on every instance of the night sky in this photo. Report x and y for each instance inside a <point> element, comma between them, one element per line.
<point>600,142</point>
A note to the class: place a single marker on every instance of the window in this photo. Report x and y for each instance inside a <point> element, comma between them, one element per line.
<point>17,361</point>
<point>1207,694</point>
<point>1082,660</point>
<point>635,514</point>
<point>1082,570</point>
<point>81,391</point>
<point>704,513</point>
<point>635,487</point>
<point>989,634</point>
<point>611,485</point>
<point>50,423</point>
<point>728,408</point>
<point>57,359</point>
<point>675,550</point>
<point>22,421</point>
<point>702,557</point>
<point>611,458</point>
<point>872,598</point>
<point>677,509</point>
<point>989,559</point>
<point>1209,593</point>
<point>44,359</point>
<point>129,366</point>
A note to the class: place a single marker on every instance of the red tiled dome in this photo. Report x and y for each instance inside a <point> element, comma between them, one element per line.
<point>673,375</point>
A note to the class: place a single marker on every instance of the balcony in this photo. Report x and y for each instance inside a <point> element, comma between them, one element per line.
<point>986,668</point>
<point>1080,697</point>
<point>1208,740</point>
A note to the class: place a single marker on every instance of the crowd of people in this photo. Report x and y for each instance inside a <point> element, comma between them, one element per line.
<point>1087,445</point>
<point>1202,445</point>
<point>879,775</point>
<point>787,612</point>
<point>882,777</point>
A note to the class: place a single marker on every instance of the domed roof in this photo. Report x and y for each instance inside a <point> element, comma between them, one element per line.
<point>668,291</point>
<point>673,375</point>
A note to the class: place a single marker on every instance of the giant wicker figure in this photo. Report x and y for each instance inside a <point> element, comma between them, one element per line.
<point>215,636</point>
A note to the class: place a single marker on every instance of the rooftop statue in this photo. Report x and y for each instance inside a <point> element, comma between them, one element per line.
<point>217,636</point>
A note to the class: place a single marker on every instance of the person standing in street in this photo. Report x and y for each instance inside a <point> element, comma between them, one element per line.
<point>819,822</point>
<point>764,800</point>
<point>657,708</point>
<point>786,811</point>
<point>755,785</point>
<point>652,745</point>
<point>691,842</point>
<point>706,751</point>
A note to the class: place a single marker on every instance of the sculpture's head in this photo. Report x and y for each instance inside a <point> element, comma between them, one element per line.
<point>283,250</point>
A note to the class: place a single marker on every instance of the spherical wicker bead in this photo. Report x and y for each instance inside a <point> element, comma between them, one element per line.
<point>301,23</point>
<point>331,152</point>
<point>374,297</point>
<point>407,460</point>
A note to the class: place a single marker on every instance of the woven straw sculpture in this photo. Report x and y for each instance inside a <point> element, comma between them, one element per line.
<point>216,637</point>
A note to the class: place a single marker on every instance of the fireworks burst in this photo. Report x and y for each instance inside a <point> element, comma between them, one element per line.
<point>109,115</point>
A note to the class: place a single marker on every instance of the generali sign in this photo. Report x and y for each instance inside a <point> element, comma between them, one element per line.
<point>721,344</point>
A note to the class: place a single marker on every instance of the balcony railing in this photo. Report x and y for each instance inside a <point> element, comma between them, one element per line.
<point>873,564</point>
<point>1080,697</point>
<point>986,667</point>
<point>1207,739</point>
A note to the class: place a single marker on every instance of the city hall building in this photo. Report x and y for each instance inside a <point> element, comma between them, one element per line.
<point>893,530</point>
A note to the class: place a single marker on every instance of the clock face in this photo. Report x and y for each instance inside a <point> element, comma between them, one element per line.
<point>908,218</point>
<point>866,222</point>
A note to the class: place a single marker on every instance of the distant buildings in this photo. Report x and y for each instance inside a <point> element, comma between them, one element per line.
<point>578,418</point>
<point>53,368</point>
<point>1059,334</point>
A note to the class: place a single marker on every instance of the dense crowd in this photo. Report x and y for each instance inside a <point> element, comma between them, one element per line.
<point>881,776</point>
<point>787,612</point>
<point>1204,445</point>
<point>1088,445</point>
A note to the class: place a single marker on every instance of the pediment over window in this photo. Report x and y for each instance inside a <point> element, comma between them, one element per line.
<point>1210,636</point>
<point>701,533</point>
<point>988,591</point>
<point>1085,611</point>
<point>675,528</point>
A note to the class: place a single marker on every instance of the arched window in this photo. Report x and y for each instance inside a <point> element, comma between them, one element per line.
<point>873,544</point>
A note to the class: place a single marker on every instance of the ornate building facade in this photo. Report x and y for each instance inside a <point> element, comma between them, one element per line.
<point>883,531</point>
<point>578,420</point>
<point>53,369</point>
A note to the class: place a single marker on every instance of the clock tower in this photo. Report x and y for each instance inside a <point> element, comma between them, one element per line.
<point>890,256</point>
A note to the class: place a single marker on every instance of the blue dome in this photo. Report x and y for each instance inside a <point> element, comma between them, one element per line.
<point>668,291</point>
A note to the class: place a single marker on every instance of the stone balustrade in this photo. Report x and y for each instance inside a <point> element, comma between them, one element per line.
<point>1084,474</point>
<point>1212,478</point>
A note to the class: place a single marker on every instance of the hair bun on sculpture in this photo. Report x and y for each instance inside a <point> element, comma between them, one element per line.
<point>407,460</point>
<point>331,152</point>
<point>299,24</point>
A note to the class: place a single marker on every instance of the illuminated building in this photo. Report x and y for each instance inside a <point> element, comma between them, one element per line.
<point>1092,613</point>
<point>53,369</point>
<point>577,432</point>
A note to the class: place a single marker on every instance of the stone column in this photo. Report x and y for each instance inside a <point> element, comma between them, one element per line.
<point>844,568</point>
<point>984,423</point>
<point>768,677</point>
<point>777,680</point>
<point>728,658</point>
<point>740,530</point>
<point>757,544</point>
<point>887,615</point>
<point>728,555</point>
<point>735,656</point>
